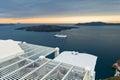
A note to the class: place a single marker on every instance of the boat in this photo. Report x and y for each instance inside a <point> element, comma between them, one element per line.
<point>60,35</point>
<point>24,61</point>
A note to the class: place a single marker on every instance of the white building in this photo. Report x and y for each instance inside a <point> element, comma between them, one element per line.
<point>21,60</point>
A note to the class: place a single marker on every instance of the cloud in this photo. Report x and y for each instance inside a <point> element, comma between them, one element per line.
<point>34,8</point>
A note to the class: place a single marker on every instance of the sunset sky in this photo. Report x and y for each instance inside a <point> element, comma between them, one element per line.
<point>59,11</point>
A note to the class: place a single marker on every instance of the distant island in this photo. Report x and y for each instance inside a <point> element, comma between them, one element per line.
<point>6,24</point>
<point>46,28</point>
<point>96,24</point>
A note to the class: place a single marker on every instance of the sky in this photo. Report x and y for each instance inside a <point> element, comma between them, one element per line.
<point>59,11</point>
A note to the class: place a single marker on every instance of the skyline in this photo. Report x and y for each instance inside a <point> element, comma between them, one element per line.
<point>63,11</point>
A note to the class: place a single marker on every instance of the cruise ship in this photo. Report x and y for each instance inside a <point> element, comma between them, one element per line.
<point>24,61</point>
<point>60,35</point>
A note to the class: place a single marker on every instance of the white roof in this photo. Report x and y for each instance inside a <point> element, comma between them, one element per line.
<point>77,59</point>
<point>9,48</point>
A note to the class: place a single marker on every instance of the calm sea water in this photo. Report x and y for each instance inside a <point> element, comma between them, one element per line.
<point>102,41</point>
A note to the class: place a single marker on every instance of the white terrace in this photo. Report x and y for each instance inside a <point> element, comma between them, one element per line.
<point>21,60</point>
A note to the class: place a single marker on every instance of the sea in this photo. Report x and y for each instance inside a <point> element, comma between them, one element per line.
<point>102,41</point>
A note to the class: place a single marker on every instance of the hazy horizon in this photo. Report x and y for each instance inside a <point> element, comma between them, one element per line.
<point>63,11</point>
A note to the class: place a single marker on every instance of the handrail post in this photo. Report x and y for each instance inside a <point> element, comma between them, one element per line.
<point>57,51</point>
<point>88,70</point>
<point>42,59</point>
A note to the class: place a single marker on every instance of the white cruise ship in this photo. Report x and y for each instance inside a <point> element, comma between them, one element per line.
<point>24,61</point>
<point>60,35</point>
